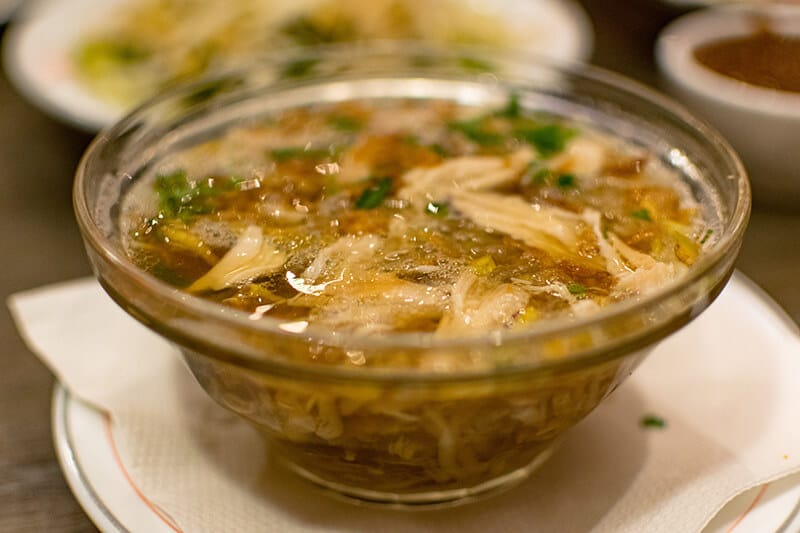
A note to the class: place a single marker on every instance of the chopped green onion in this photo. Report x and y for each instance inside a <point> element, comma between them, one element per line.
<point>706,236</point>
<point>439,150</point>
<point>170,275</point>
<point>208,90</point>
<point>577,289</point>
<point>374,196</point>
<point>177,196</point>
<point>98,56</point>
<point>652,421</point>
<point>436,148</point>
<point>475,64</point>
<point>512,108</point>
<point>437,209</point>
<point>304,30</point>
<point>299,67</point>
<point>172,190</point>
<point>548,140</point>
<point>536,174</point>
<point>474,131</point>
<point>345,123</point>
<point>566,181</point>
<point>642,214</point>
<point>280,155</point>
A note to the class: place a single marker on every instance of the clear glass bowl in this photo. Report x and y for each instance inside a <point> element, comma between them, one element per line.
<point>404,428</point>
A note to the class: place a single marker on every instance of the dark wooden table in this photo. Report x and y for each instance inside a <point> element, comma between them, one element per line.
<point>39,244</point>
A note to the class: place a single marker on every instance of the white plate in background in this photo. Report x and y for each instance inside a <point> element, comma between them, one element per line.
<point>39,44</point>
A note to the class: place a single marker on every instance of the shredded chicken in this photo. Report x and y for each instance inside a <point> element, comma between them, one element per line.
<point>614,263</point>
<point>472,306</point>
<point>446,444</point>
<point>649,279</point>
<point>632,257</point>
<point>346,254</point>
<point>635,271</point>
<point>547,228</point>
<point>373,303</point>
<point>582,156</point>
<point>648,274</point>
<point>466,173</point>
<point>252,256</point>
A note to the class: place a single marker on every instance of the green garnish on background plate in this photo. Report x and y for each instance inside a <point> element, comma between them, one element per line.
<point>653,421</point>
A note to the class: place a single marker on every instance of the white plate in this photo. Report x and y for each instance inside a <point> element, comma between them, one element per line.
<point>38,46</point>
<point>87,452</point>
<point>89,460</point>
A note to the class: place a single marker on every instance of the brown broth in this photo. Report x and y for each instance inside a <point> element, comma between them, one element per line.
<point>365,210</point>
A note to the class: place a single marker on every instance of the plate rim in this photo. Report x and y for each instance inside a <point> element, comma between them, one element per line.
<point>87,486</point>
<point>75,475</point>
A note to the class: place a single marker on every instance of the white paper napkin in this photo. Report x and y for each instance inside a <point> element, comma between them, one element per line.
<point>728,386</point>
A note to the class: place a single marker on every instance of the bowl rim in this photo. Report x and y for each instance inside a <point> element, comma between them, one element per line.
<point>215,312</point>
<point>677,41</point>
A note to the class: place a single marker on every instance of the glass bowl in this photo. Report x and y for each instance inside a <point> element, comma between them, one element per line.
<point>410,419</point>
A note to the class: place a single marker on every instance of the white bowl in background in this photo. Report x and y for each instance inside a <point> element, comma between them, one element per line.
<point>762,124</point>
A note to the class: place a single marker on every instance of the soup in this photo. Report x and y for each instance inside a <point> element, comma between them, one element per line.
<point>424,216</point>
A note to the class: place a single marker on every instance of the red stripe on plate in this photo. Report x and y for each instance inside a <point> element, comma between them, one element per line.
<point>153,507</point>
<point>749,508</point>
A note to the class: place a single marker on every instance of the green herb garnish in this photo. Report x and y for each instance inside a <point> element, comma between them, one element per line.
<point>437,209</point>
<point>537,174</point>
<point>208,91</point>
<point>652,421</point>
<point>178,197</point>
<point>439,150</point>
<point>475,131</point>
<point>174,191</point>
<point>566,181</point>
<point>474,64</point>
<point>512,108</point>
<point>305,31</point>
<point>706,236</point>
<point>99,56</point>
<point>577,289</point>
<point>436,148</point>
<point>170,275</point>
<point>280,155</point>
<point>374,195</point>
<point>642,214</point>
<point>299,67</point>
<point>548,140</point>
<point>345,123</point>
